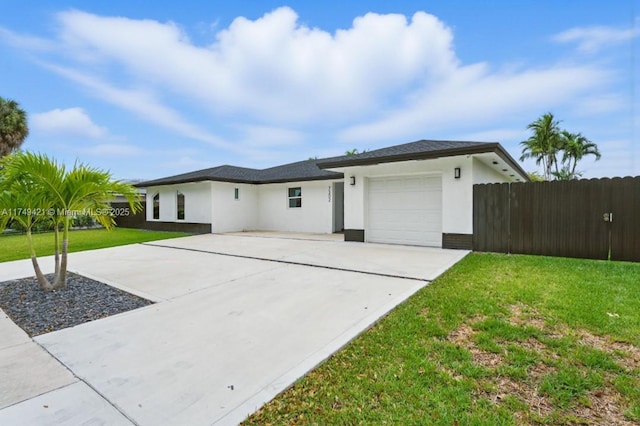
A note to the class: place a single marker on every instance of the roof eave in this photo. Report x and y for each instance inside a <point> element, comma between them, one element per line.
<point>511,162</point>
<point>193,180</point>
<point>429,155</point>
<point>245,181</point>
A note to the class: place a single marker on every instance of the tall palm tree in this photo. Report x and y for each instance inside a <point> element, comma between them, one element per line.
<point>63,194</point>
<point>575,147</point>
<point>13,126</point>
<point>544,143</point>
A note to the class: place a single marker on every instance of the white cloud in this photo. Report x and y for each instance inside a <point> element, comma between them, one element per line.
<point>386,77</point>
<point>472,95</point>
<point>73,122</point>
<point>27,42</point>
<point>277,70</point>
<point>142,103</point>
<point>604,103</point>
<point>273,67</point>
<point>593,39</point>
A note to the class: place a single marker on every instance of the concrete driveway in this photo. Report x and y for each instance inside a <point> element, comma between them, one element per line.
<point>239,318</point>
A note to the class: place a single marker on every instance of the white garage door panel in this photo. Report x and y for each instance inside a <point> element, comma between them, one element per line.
<point>405,210</point>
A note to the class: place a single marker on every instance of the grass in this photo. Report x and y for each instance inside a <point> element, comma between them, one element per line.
<point>496,340</point>
<point>14,247</point>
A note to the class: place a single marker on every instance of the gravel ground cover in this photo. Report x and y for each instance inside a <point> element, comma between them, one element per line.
<point>83,300</point>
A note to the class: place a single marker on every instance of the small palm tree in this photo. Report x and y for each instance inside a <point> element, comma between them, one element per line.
<point>566,174</point>
<point>13,126</point>
<point>16,204</point>
<point>544,143</point>
<point>354,151</point>
<point>61,195</point>
<point>576,147</point>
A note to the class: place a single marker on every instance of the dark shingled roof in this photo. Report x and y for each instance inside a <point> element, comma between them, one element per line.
<point>300,171</point>
<point>409,151</point>
<point>314,169</point>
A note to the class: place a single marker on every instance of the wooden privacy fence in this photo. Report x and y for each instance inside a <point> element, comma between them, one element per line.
<point>593,219</point>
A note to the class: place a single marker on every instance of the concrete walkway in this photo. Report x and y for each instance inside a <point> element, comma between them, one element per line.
<point>25,368</point>
<point>239,319</point>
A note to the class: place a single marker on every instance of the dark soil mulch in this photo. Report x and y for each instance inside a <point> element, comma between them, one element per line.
<point>83,300</point>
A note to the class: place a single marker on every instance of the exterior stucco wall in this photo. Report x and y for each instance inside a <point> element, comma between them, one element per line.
<point>266,207</point>
<point>258,207</point>
<point>354,198</point>
<point>457,194</point>
<point>197,202</point>
<point>229,214</point>
<point>315,215</point>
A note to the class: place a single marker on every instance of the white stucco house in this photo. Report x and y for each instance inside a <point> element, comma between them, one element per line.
<point>419,193</point>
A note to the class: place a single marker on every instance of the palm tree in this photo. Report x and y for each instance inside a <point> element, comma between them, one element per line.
<point>544,144</point>
<point>62,194</point>
<point>16,204</point>
<point>13,126</point>
<point>575,147</point>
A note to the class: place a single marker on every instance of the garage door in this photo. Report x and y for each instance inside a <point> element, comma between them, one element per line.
<point>405,210</point>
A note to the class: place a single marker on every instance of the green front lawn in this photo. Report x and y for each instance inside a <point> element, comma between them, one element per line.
<point>497,340</point>
<point>14,247</point>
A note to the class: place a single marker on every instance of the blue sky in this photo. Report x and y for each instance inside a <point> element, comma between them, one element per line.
<point>168,87</point>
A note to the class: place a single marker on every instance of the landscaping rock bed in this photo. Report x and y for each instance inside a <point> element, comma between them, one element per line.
<point>83,300</point>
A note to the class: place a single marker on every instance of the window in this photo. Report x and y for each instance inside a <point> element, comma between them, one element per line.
<point>236,193</point>
<point>156,206</point>
<point>295,197</point>
<point>180,206</point>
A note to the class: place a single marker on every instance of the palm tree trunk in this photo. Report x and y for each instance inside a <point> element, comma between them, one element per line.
<point>555,163</point>
<point>42,280</point>
<point>56,242</point>
<point>548,164</point>
<point>61,277</point>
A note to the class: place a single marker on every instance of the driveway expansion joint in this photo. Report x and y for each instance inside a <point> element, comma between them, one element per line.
<point>287,262</point>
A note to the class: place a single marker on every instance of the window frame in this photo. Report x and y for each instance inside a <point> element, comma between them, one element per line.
<point>155,206</point>
<point>296,197</point>
<point>184,202</point>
